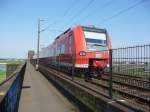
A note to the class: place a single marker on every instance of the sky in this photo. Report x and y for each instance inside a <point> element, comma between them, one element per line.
<point>127,21</point>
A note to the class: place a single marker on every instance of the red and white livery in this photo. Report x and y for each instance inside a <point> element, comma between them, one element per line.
<point>76,47</point>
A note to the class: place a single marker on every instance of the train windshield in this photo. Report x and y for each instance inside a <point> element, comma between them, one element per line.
<point>95,40</point>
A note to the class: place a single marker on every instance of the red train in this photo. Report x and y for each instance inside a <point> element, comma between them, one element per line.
<point>77,49</point>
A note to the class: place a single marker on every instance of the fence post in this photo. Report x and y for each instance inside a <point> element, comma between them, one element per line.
<point>110,72</point>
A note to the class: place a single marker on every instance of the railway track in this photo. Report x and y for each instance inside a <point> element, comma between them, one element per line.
<point>127,86</point>
<point>138,77</point>
<point>127,93</point>
<point>130,81</point>
<point>122,89</point>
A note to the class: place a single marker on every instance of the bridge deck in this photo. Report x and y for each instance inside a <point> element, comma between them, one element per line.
<point>39,95</point>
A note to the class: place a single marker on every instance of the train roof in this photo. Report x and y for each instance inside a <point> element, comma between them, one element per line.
<point>93,29</point>
<point>63,33</point>
<point>85,28</point>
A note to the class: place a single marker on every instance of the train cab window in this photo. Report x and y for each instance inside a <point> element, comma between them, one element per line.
<point>95,40</point>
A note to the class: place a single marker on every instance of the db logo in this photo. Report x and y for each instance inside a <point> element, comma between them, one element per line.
<point>98,55</point>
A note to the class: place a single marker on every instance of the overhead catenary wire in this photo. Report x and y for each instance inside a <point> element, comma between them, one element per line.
<point>102,21</point>
<point>122,11</point>
<point>102,8</point>
<point>67,12</point>
<point>81,11</point>
<point>55,30</point>
<point>63,16</point>
<point>70,8</point>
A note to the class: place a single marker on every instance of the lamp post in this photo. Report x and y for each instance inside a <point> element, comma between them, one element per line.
<point>38,43</point>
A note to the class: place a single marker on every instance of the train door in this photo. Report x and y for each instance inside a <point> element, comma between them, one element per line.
<point>71,48</point>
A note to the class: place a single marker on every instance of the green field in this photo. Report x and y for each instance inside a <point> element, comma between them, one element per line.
<point>132,69</point>
<point>11,62</point>
<point>2,76</point>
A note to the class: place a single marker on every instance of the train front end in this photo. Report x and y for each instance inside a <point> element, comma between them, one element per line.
<point>95,50</point>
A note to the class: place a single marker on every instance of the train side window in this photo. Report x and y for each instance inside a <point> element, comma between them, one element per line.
<point>50,52</point>
<point>58,49</point>
<point>54,51</point>
<point>70,43</point>
<point>70,40</point>
<point>62,49</point>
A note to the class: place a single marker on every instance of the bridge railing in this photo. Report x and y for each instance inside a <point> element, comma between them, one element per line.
<point>10,91</point>
<point>130,75</point>
<point>133,61</point>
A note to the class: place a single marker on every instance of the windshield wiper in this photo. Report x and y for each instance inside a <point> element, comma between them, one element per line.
<point>98,45</point>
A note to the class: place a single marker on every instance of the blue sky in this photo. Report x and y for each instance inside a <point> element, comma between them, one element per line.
<point>18,22</point>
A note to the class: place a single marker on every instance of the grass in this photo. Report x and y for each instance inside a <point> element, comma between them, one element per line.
<point>11,62</point>
<point>2,75</point>
<point>135,70</point>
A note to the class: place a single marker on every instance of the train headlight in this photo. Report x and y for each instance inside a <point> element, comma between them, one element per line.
<point>82,53</point>
<point>108,65</point>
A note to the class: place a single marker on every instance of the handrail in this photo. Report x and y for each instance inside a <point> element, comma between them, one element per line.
<point>10,90</point>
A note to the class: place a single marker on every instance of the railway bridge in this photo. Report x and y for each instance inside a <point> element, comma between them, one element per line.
<point>123,87</point>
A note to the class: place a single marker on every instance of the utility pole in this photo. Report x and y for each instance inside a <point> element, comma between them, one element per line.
<point>38,43</point>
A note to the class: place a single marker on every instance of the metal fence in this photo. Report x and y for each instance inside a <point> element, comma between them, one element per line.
<point>127,78</point>
<point>134,61</point>
<point>10,91</point>
<point>130,76</point>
